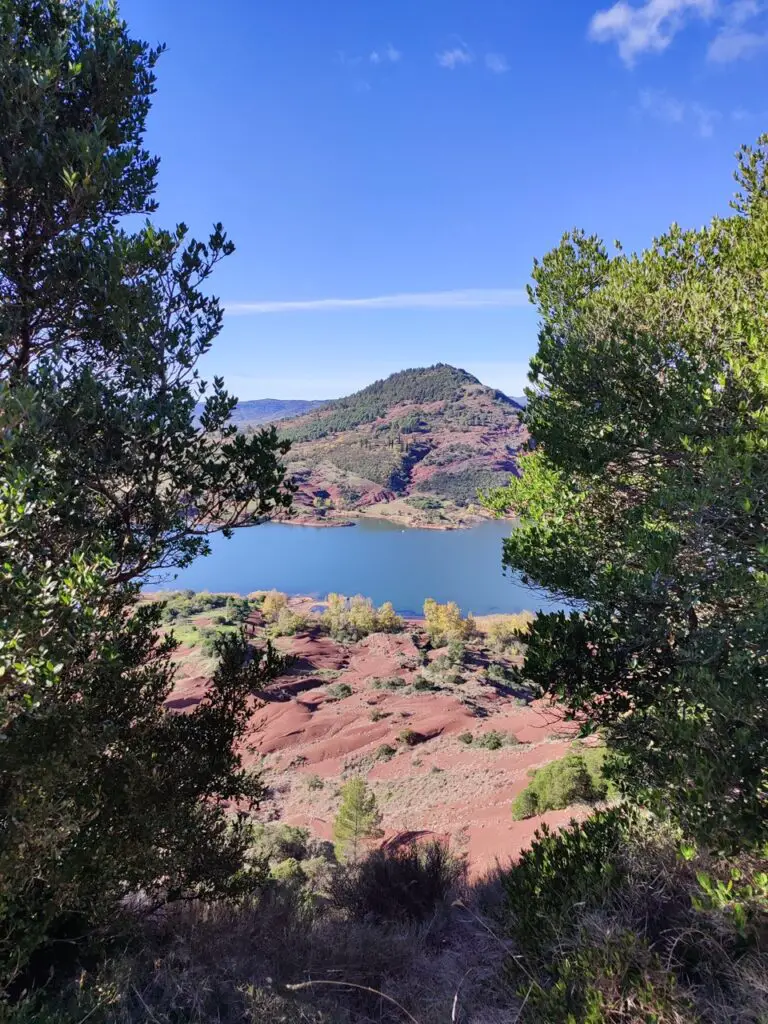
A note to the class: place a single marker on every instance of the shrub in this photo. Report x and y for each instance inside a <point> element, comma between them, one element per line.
<point>349,619</point>
<point>421,682</point>
<point>277,843</point>
<point>574,867</point>
<point>339,691</point>
<point>289,623</point>
<point>443,622</point>
<point>576,778</point>
<point>504,634</point>
<point>405,883</point>
<point>274,602</point>
<point>411,738</point>
<point>377,715</point>
<point>494,740</point>
<point>466,737</point>
<point>388,683</point>
<point>385,752</point>
<point>314,782</point>
<point>387,619</point>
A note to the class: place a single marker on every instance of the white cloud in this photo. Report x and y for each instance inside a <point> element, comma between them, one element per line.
<point>649,28</point>
<point>389,55</point>
<point>660,105</point>
<point>454,58</point>
<point>731,44</point>
<point>497,63</point>
<point>468,298</point>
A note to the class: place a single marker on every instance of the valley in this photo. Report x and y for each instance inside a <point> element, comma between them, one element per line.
<point>440,732</point>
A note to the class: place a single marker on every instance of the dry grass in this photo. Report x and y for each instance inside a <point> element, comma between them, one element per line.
<point>279,961</point>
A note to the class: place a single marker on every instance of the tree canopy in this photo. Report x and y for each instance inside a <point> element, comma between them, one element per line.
<point>645,502</point>
<point>107,472</point>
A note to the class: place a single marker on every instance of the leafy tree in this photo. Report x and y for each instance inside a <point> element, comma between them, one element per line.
<point>444,622</point>
<point>274,603</point>
<point>100,329</point>
<point>646,501</point>
<point>358,819</point>
<point>107,471</point>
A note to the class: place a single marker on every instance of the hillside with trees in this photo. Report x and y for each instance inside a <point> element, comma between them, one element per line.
<point>417,447</point>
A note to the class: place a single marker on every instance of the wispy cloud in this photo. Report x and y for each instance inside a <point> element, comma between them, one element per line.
<point>651,26</point>
<point>389,55</point>
<point>455,57</point>
<point>730,44</point>
<point>660,105</point>
<point>467,298</point>
<point>496,63</point>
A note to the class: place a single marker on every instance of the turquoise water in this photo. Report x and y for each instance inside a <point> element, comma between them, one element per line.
<point>373,558</point>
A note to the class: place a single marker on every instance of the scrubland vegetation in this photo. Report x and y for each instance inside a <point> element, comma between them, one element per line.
<point>135,883</point>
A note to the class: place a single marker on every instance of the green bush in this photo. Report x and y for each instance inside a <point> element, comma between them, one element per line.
<point>494,740</point>
<point>385,752</point>
<point>466,737</point>
<point>388,683</point>
<point>422,682</point>
<point>339,691</point>
<point>574,867</point>
<point>576,778</point>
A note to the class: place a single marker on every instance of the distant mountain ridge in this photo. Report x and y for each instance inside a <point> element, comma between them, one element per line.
<point>415,447</point>
<point>270,410</point>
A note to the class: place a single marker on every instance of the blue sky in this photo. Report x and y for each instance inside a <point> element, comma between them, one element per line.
<point>414,156</point>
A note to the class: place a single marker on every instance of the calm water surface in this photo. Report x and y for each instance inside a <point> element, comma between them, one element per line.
<point>374,558</point>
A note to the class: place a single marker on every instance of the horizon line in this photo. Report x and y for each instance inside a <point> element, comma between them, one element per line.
<point>466,298</point>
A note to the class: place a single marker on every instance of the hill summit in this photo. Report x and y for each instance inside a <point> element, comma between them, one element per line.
<point>414,447</point>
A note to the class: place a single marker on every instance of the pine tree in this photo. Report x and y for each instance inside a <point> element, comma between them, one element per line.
<point>358,819</point>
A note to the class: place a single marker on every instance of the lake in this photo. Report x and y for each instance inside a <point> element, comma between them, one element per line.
<point>374,558</point>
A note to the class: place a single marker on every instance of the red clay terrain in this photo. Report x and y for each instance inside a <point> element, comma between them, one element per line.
<point>330,718</point>
<point>414,448</point>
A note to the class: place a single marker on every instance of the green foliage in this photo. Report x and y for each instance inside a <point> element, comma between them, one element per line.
<point>289,623</point>
<point>385,752</point>
<point>423,683</point>
<point>388,683</point>
<point>576,778</point>
<point>435,383</point>
<point>574,867</point>
<point>598,983</point>
<point>495,740</point>
<point>464,486</point>
<point>357,819</point>
<point>339,691</point>
<point>491,740</point>
<point>377,715</point>
<point>645,500</point>
<point>425,504</point>
<point>107,472</point>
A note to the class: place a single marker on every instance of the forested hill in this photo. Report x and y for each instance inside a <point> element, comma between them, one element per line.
<point>417,445</point>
